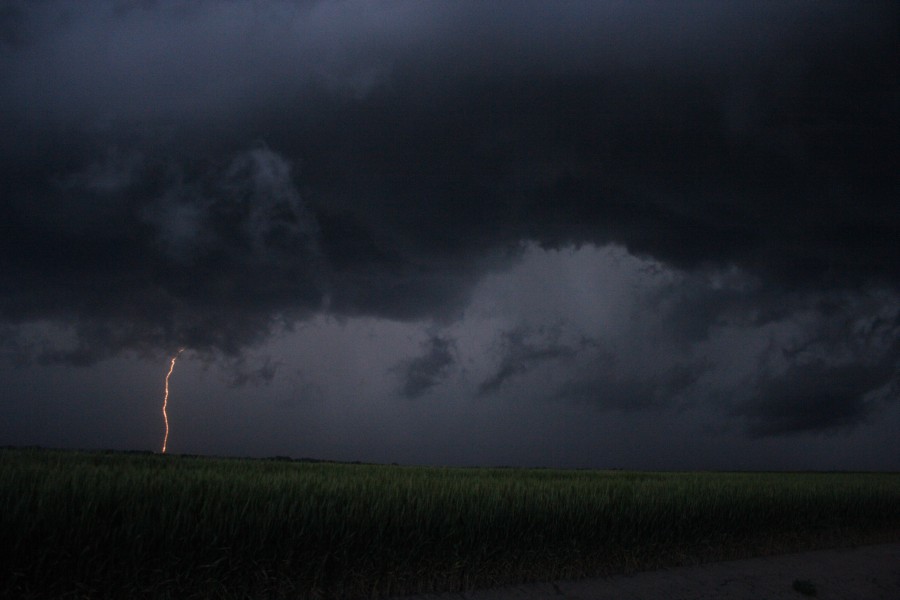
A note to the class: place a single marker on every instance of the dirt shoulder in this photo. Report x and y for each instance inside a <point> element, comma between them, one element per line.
<point>864,573</point>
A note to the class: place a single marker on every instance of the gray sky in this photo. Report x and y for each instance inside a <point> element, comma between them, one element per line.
<point>619,234</point>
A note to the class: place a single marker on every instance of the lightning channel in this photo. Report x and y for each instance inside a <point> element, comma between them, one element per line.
<point>166,398</point>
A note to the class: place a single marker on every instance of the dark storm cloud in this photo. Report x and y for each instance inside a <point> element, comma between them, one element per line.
<point>817,397</point>
<point>422,373</point>
<point>835,376</point>
<point>772,362</point>
<point>831,362</point>
<point>136,254</point>
<point>200,173</point>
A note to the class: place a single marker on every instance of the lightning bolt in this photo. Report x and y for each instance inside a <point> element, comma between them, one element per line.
<point>166,398</point>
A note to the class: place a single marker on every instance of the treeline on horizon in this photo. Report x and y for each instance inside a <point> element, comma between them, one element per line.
<point>309,459</point>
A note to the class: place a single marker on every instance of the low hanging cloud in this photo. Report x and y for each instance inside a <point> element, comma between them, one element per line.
<point>418,375</point>
<point>522,350</point>
<point>842,369</point>
<point>630,336</point>
<point>817,397</point>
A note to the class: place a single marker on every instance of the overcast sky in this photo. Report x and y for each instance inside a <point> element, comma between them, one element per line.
<point>654,235</point>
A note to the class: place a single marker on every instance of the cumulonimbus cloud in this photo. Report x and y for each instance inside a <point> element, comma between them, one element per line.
<point>201,174</point>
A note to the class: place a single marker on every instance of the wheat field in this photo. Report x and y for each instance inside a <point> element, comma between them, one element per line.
<point>112,525</point>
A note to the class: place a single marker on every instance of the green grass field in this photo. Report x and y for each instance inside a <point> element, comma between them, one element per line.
<point>79,524</point>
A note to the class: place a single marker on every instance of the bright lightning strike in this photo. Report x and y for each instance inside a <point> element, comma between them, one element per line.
<point>166,398</point>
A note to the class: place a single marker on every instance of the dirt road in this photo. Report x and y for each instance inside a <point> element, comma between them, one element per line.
<point>863,573</point>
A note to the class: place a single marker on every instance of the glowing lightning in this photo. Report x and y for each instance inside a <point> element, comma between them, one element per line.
<point>166,397</point>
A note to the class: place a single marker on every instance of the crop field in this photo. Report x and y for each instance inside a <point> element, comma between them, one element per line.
<point>116,525</point>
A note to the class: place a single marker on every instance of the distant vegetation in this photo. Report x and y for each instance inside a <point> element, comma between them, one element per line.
<point>115,525</point>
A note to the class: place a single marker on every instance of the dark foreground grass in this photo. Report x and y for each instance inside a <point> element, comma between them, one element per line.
<point>106,525</point>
